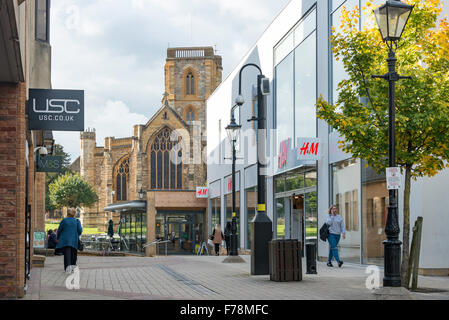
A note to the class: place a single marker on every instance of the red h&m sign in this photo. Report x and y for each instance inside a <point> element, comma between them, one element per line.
<point>230,184</point>
<point>284,147</point>
<point>309,149</point>
<point>202,192</point>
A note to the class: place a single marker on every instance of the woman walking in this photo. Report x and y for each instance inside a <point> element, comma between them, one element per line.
<point>68,238</point>
<point>336,228</point>
<point>218,238</point>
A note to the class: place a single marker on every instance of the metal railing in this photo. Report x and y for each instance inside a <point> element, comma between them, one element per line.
<point>157,243</point>
<point>103,244</point>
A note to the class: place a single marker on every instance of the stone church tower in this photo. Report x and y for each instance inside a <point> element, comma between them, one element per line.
<point>124,166</point>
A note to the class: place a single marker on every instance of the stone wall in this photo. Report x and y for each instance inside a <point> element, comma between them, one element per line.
<point>97,164</point>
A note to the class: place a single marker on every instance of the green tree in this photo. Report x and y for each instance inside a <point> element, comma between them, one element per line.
<point>360,114</point>
<point>71,190</point>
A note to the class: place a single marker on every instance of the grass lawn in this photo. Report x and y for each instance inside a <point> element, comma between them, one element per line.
<point>53,226</point>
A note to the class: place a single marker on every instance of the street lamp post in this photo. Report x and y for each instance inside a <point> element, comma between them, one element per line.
<point>233,130</point>
<point>261,227</point>
<point>391,19</point>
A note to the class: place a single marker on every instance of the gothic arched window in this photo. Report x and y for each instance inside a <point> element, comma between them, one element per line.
<point>190,84</point>
<point>164,173</point>
<point>190,116</point>
<point>121,175</point>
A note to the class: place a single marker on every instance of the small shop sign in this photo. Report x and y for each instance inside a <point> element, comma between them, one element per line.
<point>308,149</point>
<point>58,110</point>
<point>284,148</point>
<point>202,192</point>
<point>49,164</point>
<point>39,240</point>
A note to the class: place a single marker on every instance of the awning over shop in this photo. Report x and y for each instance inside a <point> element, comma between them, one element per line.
<point>140,206</point>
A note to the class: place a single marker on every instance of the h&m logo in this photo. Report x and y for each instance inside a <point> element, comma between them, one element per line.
<point>306,149</point>
<point>283,153</point>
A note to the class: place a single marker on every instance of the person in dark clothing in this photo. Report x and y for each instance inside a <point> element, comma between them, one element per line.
<point>68,238</point>
<point>58,251</point>
<point>51,240</point>
<point>227,237</point>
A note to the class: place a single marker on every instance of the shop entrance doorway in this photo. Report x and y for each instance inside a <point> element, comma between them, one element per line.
<point>184,232</point>
<point>296,217</point>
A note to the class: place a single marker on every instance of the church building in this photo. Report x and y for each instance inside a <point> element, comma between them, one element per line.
<point>147,182</point>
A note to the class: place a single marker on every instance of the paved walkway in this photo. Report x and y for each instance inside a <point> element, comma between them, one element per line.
<point>199,278</point>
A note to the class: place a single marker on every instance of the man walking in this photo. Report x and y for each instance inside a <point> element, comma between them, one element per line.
<point>336,228</point>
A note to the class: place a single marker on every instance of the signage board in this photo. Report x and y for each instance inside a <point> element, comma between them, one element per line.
<point>49,164</point>
<point>202,192</point>
<point>58,110</point>
<point>39,240</point>
<point>308,149</point>
<point>284,151</point>
<point>393,178</point>
<point>228,183</point>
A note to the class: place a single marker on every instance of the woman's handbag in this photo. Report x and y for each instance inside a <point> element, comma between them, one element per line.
<point>211,237</point>
<point>324,232</point>
<point>80,245</point>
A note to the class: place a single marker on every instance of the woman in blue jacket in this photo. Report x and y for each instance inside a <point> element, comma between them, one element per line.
<point>68,236</point>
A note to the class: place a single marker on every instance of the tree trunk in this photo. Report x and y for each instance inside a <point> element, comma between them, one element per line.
<point>406,227</point>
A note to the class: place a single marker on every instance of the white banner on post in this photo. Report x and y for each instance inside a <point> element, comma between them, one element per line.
<point>393,178</point>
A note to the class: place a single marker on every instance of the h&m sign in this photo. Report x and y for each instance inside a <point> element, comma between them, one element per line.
<point>59,110</point>
<point>307,149</point>
<point>202,192</point>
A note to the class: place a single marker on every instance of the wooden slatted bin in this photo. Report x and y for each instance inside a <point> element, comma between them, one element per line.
<point>285,260</point>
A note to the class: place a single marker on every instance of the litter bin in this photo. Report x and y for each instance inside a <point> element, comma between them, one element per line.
<point>285,260</point>
<point>311,258</point>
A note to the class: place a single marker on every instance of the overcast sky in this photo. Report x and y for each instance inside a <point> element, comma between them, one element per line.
<point>115,51</point>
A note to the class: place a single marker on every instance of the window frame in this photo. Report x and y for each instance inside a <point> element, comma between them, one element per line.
<point>47,21</point>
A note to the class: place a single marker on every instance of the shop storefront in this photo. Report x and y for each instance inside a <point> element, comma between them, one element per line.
<point>132,225</point>
<point>183,229</point>
<point>133,230</point>
<point>295,201</point>
<point>295,53</point>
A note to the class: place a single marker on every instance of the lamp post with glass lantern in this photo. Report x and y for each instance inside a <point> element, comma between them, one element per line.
<point>261,226</point>
<point>391,19</point>
<point>233,131</point>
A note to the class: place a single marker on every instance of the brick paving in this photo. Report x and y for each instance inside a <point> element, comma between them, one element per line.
<point>201,278</point>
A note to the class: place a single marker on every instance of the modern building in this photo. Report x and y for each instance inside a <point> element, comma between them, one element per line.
<point>294,52</point>
<point>25,56</point>
<point>147,183</point>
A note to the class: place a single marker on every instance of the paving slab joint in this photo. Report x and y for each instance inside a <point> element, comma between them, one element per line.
<point>234,259</point>
<point>393,293</point>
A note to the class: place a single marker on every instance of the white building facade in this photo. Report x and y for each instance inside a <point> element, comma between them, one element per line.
<point>294,52</point>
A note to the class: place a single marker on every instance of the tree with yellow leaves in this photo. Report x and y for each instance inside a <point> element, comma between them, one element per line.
<point>360,114</point>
